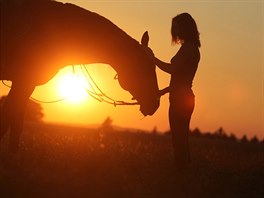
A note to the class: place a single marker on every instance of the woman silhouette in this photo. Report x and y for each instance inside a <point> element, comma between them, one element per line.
<point>182,69</point>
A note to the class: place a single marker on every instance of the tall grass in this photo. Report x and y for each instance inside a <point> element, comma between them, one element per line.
<point>60,161</point>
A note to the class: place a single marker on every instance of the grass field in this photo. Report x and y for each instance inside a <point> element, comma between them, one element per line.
<point>59,161</point>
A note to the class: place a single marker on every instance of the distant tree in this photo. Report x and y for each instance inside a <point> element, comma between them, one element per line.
<point>34,111</point>
<point>232,137</point>
<point>196,132</point>
<point>244,139</point>
<point>107,124</point>
<point>154,130</point>
<point>254,140</point>
<point>220,133</point>
<point>207,135</point>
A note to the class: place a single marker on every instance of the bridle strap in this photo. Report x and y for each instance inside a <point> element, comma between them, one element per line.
<point>95,92</point>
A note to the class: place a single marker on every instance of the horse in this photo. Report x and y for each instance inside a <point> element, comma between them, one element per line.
<point>38,38</point>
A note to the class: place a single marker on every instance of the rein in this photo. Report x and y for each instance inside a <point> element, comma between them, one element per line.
<point>95,92</point>
<point>37,100</point>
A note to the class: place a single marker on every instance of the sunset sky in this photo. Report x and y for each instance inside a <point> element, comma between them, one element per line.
<point>229,84</point>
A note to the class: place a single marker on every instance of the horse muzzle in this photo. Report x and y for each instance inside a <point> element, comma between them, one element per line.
<point>149,108</point>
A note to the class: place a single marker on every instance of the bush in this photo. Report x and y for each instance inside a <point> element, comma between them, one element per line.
<point>34,111</point>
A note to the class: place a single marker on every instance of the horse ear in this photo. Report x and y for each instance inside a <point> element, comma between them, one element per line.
<point>145,39</point>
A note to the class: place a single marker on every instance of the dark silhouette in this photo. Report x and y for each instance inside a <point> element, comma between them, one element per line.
<point>182,69</point>
<point>33,113</point>
<point>107,124</point>
<point>254,140</point>
<point>40,37</point>
<point>244,139</point>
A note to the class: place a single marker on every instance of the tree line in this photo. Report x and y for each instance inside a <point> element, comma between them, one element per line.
<point>34,113</point>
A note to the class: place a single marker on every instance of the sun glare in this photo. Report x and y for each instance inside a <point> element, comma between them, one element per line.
<point>70,86</point>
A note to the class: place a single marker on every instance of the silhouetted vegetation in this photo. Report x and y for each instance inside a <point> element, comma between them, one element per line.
<point>61,161</point>
<point>254,140</point>
<point>244,139</point>
<point>34,111</point>
<point>107,124</point>
<point>222,135</point>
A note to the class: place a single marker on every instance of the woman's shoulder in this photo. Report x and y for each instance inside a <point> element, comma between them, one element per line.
<point>189,46</point>
<point>187,50</point>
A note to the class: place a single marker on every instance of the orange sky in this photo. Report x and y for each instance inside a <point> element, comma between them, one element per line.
<point>229,82</point>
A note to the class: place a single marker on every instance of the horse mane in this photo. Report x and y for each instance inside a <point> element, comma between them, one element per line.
<point>126,51</point>
<point>110,28</point>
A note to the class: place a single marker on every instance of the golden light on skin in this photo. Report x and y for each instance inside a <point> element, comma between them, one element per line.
<point>72,86</point>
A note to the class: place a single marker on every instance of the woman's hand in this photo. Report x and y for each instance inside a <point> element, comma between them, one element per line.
<point>164,91</point>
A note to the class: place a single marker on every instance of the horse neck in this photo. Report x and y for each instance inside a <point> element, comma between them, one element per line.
<point>94,39</point>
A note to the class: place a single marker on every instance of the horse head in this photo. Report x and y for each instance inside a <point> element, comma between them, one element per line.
<point>141,80</point>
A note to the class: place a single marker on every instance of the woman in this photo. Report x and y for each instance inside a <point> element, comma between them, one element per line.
<point>182,69</point>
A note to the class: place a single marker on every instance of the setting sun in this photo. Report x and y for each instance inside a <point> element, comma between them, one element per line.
<point>70,86</point>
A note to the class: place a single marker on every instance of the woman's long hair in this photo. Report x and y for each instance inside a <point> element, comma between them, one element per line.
<point>184,28</point>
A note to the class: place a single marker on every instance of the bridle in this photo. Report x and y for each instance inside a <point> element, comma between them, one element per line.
<point>96,92</point>
<point>92,90</point>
